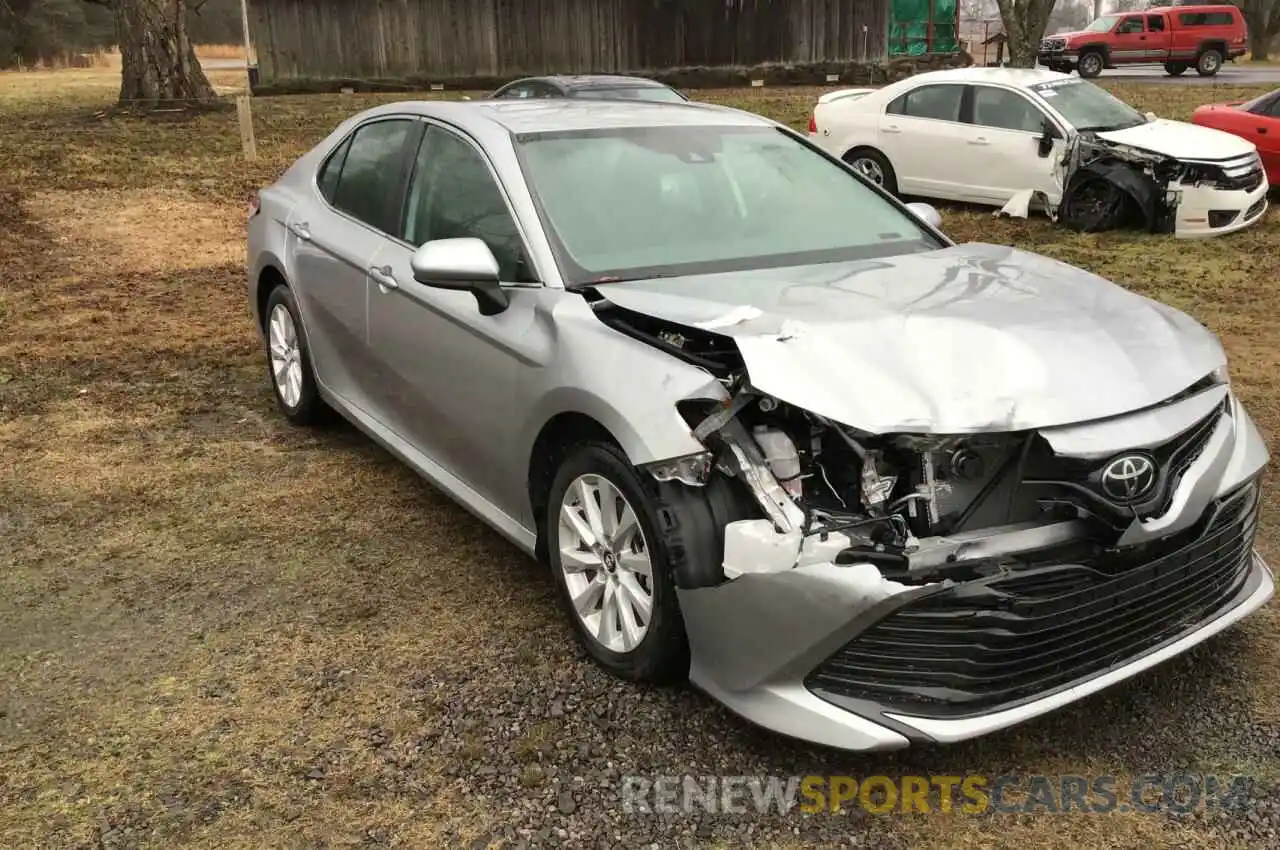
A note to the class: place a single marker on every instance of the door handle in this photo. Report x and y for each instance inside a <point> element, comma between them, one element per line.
<point>980,140</point>
<point>301,230</point>
<point>1262,130</point>
<point>383,277</point>
<point>892,128</point>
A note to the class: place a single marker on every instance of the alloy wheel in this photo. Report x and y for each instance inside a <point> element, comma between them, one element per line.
<point>605,561</point>
<point>869,169</point>
<point>286,355</point>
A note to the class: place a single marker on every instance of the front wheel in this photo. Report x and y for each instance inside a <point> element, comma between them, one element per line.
<point>609,546</point>
<point>1090,64</point>
<point>1175,69</point>
<point>1209,63</point>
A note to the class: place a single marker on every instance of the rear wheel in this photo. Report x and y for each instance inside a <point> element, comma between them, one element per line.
<point>873,165</point>
<point>1209,63</point>
<point>1175,69</point>
<point>1090,64</point>
<point>289,361</point>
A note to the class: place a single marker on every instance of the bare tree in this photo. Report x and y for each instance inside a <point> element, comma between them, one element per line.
<point>1263,18</point>
<point>159,64</point>
<point>1024,24</point>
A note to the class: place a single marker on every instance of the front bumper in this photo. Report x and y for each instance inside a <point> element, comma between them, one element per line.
<point>759,642</point>
<point>1206,212</point>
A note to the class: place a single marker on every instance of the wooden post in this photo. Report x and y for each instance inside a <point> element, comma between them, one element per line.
<point>245,112</point>
<point>248,60</point>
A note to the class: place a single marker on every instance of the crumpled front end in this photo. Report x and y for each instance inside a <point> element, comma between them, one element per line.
<point>899,588</point>
<point>1108,184</point>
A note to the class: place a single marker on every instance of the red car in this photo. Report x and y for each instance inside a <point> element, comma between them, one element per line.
<point>1257,120</point>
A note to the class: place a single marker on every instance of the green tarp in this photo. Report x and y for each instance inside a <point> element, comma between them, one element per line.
<point>910,33</point>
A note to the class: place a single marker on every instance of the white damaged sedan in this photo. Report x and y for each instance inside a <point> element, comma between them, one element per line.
<point>999,136</point>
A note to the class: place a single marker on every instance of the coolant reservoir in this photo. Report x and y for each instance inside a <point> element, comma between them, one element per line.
<point>782,457</point>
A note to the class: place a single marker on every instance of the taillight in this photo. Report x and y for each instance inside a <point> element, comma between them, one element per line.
<point>813,123</point>
<point>255,205</point>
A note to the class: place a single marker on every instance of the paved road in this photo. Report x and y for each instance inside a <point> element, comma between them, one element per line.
<point>1230,75</point>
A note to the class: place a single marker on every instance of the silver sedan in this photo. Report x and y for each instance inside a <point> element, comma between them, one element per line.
<point>770,428</point>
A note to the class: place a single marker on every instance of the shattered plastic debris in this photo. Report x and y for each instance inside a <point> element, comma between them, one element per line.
<point>736,316</point>
<point>1019,206</point>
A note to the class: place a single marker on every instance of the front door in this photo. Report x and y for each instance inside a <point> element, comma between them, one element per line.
<point>1001,152</point>
<point>1129,41</point>
<point>447,374</point>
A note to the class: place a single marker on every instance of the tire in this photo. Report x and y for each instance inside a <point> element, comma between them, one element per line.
<point>1090,64</point>
<point>873,165</point>
<point>661,655</point>
<point>1175,69</point>
<point>1209,63</point>
<point>296,393</point>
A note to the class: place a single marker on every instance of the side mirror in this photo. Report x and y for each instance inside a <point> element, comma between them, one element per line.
<point>927,214</point>
<point>465,265</point>
<point>1048,133</point>
<point>1150,116</point>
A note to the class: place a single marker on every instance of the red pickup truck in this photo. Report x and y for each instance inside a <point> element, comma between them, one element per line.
<point>1178,37</point>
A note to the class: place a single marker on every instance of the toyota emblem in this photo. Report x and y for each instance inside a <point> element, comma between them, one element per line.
<point>1129,478</point>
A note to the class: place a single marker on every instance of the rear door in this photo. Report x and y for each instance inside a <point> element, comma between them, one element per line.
<point>919,133</point>
<point>334,238</point>
<point>1001,155</point>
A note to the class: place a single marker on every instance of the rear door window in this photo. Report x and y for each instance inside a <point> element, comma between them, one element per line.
<point>939,102</point>
<point>369,187</point>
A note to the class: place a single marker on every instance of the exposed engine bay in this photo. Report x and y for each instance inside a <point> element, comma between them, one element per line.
<point>919,507</point>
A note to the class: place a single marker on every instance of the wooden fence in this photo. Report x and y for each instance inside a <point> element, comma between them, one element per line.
<point>486,39</point>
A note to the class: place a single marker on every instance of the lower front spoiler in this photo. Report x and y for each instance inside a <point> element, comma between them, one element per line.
<point>782,703</point>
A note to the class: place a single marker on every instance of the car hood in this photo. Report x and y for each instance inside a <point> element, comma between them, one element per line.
<point>1181,140</point>
<point>967,339</point>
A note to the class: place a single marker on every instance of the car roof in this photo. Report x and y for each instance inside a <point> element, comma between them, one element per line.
<point>553,114</point>
<point>597,81</point>
<point>1017,77</point>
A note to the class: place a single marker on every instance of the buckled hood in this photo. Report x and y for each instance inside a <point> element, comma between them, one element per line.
<point>967,339</point>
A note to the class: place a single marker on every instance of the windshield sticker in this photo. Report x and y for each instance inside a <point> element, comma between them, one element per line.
<point>1044,88</point>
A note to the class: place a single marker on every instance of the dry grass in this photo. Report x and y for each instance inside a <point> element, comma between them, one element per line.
<point>219,51</point>
<point>206,617</point>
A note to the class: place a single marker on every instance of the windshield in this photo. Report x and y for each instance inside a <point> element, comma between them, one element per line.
<point>1103,24</point>
<point>653,93</point>
<point>630,203</point>
<point>1087,107</point>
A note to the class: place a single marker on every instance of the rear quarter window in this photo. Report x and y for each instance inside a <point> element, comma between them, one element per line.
<point>1206,19</point>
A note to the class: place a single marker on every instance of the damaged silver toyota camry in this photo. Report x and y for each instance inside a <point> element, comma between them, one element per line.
<point>772,430</point>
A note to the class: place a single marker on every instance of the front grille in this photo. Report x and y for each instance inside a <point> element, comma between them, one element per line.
<point>1051,45</point>
<point>1077,482</point>
<point>1241,173</point>
<point>1256,209</point>
<point>985,644</point>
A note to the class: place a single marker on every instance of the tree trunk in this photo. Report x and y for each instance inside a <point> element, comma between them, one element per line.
<point>159,65</point>
<point>1024,24</point>
<point>1259,44</point>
